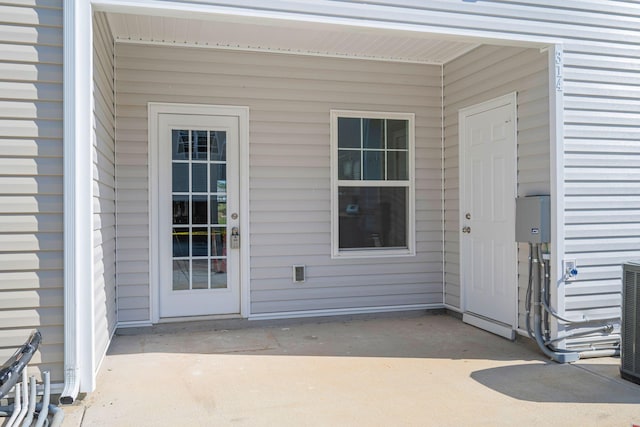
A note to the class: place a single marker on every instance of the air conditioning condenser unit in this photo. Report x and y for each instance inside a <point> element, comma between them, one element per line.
<point>630,342</point>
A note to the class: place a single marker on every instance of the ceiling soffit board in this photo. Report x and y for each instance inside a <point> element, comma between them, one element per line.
<point>313,40</point>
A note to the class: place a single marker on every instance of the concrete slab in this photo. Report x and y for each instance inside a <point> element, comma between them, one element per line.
<point>407,370</point>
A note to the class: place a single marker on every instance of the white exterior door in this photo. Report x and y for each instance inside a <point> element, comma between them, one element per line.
<point>198,210</point>
<point>487,215</point>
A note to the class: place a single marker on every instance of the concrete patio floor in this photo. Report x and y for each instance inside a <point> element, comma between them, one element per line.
<point>414,369</point>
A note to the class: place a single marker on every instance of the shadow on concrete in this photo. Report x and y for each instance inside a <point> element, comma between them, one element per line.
<point>554,383</point>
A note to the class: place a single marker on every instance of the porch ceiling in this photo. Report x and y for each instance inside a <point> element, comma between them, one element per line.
<point>287,37</point>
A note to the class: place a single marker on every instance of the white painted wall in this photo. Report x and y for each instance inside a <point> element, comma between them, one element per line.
<point>289,99</point>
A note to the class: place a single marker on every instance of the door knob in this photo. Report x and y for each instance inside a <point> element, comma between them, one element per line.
<point>466,229</point>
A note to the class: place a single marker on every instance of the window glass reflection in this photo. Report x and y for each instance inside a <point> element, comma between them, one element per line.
<point>219,242</point>
<point>199,177</point>
<point>218,146</point>
<point>180,275</point>
<point>397,165</point>
<point>180,242</point>
<point>373,162</point>
<point>349,132</point>
<point>200,242</point>
<point>372,217</point>
<point>200,274</point>
<point>199,147</point>
<point>397,134</point>
<point>349,164</point>
<point>180,144</point>
<point>218,211</point>
<point>218,178</point>
<point>199,210</point>
<point>180,209</point>
<point>373,133</point>
<point>180,177</point>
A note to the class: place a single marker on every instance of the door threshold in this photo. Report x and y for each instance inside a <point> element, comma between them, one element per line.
<point>199,318</point>
<point>490,325</point>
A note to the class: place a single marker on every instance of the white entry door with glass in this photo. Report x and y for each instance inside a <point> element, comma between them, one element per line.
<point>198,215</point>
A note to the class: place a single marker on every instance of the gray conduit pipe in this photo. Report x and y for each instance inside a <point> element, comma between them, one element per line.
<point>32,402</point>
<point>553,312</point>
<point>603,352</point>
<point>527,304</point>
<point>42,417</point>
<point>44,408</point>
<point>558,356</point>
<point>17,405</point>
<point>608,328</point>
<point>25,398</point>
<point>605,328</point>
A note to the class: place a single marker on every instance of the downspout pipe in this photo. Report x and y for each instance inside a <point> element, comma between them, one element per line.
<point>71,183</point>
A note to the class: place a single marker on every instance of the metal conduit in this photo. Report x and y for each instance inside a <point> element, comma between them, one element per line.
<point>537,296</point>
<point>13,376</point>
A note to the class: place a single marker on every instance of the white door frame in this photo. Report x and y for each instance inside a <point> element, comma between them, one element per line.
<point>505,100</point>
<point>242,113</point>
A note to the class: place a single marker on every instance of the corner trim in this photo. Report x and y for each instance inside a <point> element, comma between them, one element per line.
<point>556,153</point>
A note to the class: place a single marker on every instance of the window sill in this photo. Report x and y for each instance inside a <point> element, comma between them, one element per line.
<point>373,253</point>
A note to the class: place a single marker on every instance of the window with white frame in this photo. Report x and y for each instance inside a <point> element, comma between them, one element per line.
<point>372,183</point>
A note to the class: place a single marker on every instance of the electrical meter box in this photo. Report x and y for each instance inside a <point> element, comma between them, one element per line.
<point>533,219</point>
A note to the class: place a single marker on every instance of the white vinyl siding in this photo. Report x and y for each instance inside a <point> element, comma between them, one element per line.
<point>104,191</point>
<point>602,184</point>
<point>486,73</point>
<point>290,98</point>
<point>31,243</point>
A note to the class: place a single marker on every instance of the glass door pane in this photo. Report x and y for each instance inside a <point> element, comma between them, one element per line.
<point>199,209</point>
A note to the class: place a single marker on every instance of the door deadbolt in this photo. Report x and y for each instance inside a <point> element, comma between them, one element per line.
<point>467,215</point>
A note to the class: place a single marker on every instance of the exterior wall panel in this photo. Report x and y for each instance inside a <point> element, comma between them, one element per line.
<point>289,99</point>
<point>31,246</point>
<point>602,128</point>
<point>104,190</point>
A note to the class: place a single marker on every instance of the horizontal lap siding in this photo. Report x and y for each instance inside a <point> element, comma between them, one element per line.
<point>289,99</point>
<point>602,185</point>
<point>31,243</point>
<point>483,74</point>
<point>104,191</point>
